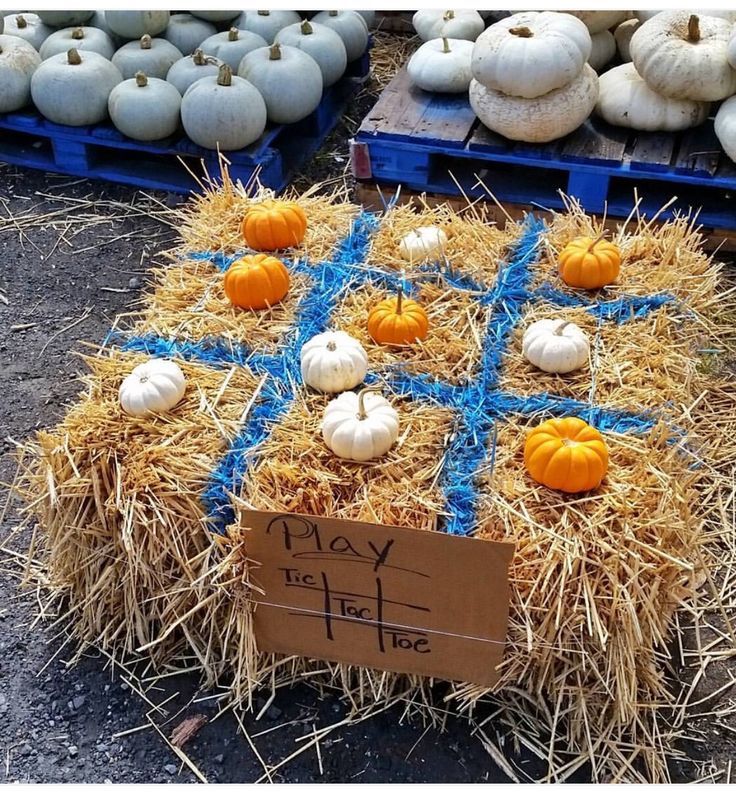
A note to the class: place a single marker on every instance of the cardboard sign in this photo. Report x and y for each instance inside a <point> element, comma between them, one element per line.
<point>379,596</point>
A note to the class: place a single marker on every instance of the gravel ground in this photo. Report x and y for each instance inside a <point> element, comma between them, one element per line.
<point>79,724</point>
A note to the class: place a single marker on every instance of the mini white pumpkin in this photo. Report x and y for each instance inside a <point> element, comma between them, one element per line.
<point>684,56</point>
<point>597,21</point>
<point>433,23</point>
<point>28,27</point>
<point>266,23</point>
<point>623,34</point>
<point>531,53</point>
<point>626,100</point>
<point>84,40</point>
<point>360,426</point>
<point>145,109</point>
<point>333,362</point>
<point>322,43</point>
<point>191,68</point>
<point>541,119</point>
<point>423,244</point>
<point>556,346</point>
<point>350,27</point>
<point>725,127</point>
<point>186,32</point>
<point>153,56</point>
<point>152,387</point>
<point>442,65</point>
<point>18,62</point>
<point>604,49</point>
<point>231,46</point>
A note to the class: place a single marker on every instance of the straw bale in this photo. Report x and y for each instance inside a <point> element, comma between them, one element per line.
<point>475,245</point>
<point>452,349</point>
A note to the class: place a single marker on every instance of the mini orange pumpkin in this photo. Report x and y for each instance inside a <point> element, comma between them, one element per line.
<point>394,322</point>
<point>274,224</point>
<point>590,263</point>
<point>566,454</point>
<point>256,281</point>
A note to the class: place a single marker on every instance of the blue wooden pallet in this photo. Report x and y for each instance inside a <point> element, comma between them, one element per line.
<point>433,142</point>
<point>101,152</point>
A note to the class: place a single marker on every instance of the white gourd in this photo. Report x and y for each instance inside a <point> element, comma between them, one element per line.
<point>18,62</point>
<point>151,388</point>
<point>725,127</point>
<point>223,111</point>
<point>540,119</point>
<point>191,68</point>
<point>145,109</point>
<point>28,27</point>
<point>625,99</point>
<point>289,80</point>
<point>597,21</point>
<point>134,24</point>
<point>186,32</point>
<point>434,23</point>
<point>623,34</point>
<point>231,46</point>
<point>360,426</point>
<point>322,43</point>
<point>333,362</point>
<point>73,88</point>
<point>604,49</point>
<point>216,16</point>
<point>97,20</point>
<point>369,17</point>
<point>65,19</point>
<point>684,56</point>
<point>88,40</point>
<point>350,27</point>
<point>153,56</point>
<point>442,65</point>
<point>531,53</point>
<point>266,23</point>
<point>423,244</point>
<point>556,346</point>
<point>731,51</point>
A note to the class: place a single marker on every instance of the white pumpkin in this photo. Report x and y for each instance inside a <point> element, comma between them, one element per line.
<point>28,27</point>
<point>625,99</point>
<point>231,46</point>
<point>153,56</point>
<point>725,127</point>
<point>423,244</point>
<point>350,27</point>
<point>186,32</point>
<point>360,426</point>
<point>434,23</point>
<point>266,23</point>
<point>531,53</point>
<point>73,88</point>
<point>322,43</point>
<point>191,68</point>
<point>683,56</point>
<point>731,51</point>
<point>223,111</point>
<point>442,65</point>
<point>18,62</point>
<point>145,109</point>
<point>289,80</point>
<point>604,49</point>
<point>97,20</point>
<point>216,16</point>
<point>134,24</point>
<point>623,34</point>
<point>333,362</point>
<point>64,19</point>
<point>87,40</point>
<point>556,346</point>
<point>648,13</point>
<point>152,387</point>
<point>369,17</point>
<point>541,119</point>
<point>597,21</point>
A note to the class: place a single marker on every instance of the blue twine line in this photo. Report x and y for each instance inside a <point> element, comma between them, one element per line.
<point>620,310</point>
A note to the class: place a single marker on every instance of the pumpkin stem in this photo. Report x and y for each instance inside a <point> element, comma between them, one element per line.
<point>693,28</point>
<point>73,57</point>
<point>522,32</point>
<point>140,79</point>
<point>20,21</point>
<point>199,58</point>
<point>274,53</point>
<point>362,414</point>
<point>331,346</point>
<point>263,13</point>
<point>448,15</point>
<point>77,33</point>
<point>233,34</point>
<point>399,296</point>
<point>145,42</point>
<point>307,28</point>
<point>558,330</point>
<point>225,76</point>
<point>595,243</point>
<point>333,13</point>
<point>445,45</point>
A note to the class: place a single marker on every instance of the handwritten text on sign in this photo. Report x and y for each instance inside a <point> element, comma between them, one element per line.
<point>380,596</point>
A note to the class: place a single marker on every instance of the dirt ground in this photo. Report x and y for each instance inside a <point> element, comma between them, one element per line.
<point>63,280</point>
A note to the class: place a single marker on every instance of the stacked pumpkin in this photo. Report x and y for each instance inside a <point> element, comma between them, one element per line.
<point>531,77</point>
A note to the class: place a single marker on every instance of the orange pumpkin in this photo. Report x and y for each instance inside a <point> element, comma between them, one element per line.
<point>256,281</point>
<point>394,322</point>
<point>566,454</point>
<point>274,224</point>
<point>590,263</point>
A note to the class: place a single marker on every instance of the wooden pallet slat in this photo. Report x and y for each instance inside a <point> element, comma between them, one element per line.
<point>447,118</point>
<point>596,142</point>
<point>699,153</point>
<point>653,151</point>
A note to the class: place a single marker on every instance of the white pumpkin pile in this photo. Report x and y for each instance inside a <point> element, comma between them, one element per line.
<point>531,77</point>
<point>69,62</point>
